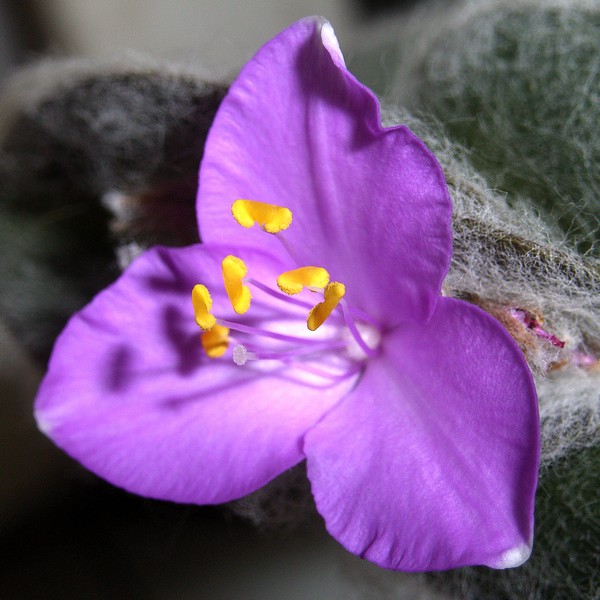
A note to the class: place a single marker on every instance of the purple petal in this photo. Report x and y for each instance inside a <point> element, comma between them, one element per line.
<point>431,463</point>
<point>369,204</point>
<point>130,394</point>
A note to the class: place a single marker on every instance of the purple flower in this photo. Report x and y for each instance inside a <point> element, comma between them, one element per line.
<point>416,413</point>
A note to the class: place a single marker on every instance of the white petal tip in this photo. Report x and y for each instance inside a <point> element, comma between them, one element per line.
<point>514,557</point>
<point>43,425</point>
<point>331,43</point>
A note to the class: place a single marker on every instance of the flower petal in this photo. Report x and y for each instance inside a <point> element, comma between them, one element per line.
<point>431,463</point>
<point>130,394</point>
<point>370,204</point>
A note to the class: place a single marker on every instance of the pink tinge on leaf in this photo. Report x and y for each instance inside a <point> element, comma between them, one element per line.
<point>531,322</point>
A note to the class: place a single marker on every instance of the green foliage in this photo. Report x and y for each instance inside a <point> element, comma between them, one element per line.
<point>521,89</point>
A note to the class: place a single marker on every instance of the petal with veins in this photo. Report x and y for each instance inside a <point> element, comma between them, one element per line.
<point>131,395</point>
<point>431,462</point>
<point>370,205</point>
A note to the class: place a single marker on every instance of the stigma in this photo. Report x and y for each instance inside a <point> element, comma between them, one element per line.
<point>344,338</point>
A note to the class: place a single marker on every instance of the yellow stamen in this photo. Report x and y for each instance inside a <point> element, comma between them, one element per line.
<point>202,303</point>
<point>332,294</point>
<point>215,341</point>
<point>234,270</point>
<point>270,217</point>
<point>292,282</point>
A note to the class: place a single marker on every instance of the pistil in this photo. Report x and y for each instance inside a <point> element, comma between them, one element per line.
<point>242,355</point>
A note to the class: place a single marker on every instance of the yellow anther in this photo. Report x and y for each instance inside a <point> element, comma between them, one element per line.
<point>202,303</point>
<point>332,294</point>
<point>215,341</point>
<point>292,282</point>
<point>234,270</point>
<point>270,217</point>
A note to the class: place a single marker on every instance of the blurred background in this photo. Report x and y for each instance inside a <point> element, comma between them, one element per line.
<point>218,35</point>
<point>64,533</point>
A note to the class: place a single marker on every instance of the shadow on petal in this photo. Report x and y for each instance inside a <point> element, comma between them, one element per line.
<point>185,345</point>
<point>120,369</point>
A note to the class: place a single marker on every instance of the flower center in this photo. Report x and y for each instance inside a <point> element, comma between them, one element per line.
<point>351,337</point>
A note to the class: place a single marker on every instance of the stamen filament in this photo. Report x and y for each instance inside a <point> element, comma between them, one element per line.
<point>289,299</point>
<point>266,333</point>
<point>354,330</point>
<point>281,238</point>
<point>278,295</point>
<point>325,374</point>
<point>363,316</point>
<point>303,351</point>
